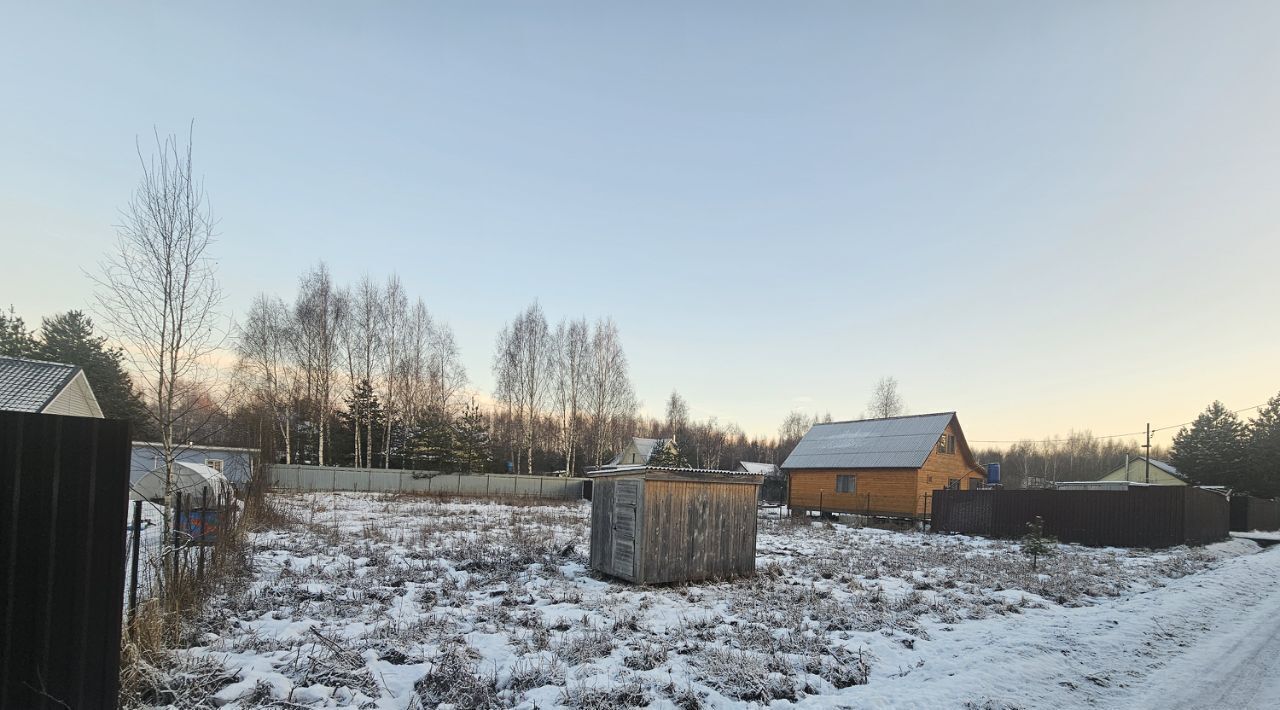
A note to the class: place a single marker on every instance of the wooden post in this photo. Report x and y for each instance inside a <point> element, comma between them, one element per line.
<point>204,527</point>
<point>133,562</point>
<point>177,526</point>
<point>821,512</point>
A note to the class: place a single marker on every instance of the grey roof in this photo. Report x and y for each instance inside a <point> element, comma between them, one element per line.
<point>644,447</point>
<point>30,385</point>
<point>896,442</point>
<point>763,469</point>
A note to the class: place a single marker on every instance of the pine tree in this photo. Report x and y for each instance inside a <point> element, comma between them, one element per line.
<point>1035,543</point>
<point>362,408</point>
<point>15,340</point>
<point>1263,450</point>
<point>1212,451</point>
<point>471,440</point>
<point>431,442</point>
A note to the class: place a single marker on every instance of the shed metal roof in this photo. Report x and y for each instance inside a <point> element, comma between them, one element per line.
<point>896,442</point>
<point>30,385</point>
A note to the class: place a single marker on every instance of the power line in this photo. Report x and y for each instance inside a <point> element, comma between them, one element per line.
<point>1107,436</point>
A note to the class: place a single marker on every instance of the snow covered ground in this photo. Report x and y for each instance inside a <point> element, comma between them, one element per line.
<point>397,602</point>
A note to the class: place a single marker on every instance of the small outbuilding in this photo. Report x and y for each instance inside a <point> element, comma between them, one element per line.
<point>653,525</point>
<point>39,387</point>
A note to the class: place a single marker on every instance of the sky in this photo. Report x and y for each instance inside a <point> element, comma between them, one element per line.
<point>1044,216</point>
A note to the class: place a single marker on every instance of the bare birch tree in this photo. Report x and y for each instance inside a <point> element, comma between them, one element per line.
<point>319,317</point>
<point>885,400</point>
<point>395,307</point>
<point>572,346</point>
<point>446,375</point>
<point>609,397</point>
<point>523,368</point>
<point>157,289</point>
<point>265,363</point>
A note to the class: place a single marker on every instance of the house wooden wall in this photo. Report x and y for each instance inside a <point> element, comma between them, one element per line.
<point>884,491</point>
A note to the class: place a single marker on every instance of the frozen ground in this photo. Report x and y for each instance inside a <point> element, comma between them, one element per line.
<point>385,602</point>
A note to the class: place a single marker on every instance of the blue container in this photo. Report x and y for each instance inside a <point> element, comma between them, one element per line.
<point>201,525</point>
<point>993,474</point>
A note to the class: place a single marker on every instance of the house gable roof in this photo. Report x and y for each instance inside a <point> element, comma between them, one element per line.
<point>895,442</point>
<point>644,449</point>
<point>30,385</point>
<point>1156,463</point>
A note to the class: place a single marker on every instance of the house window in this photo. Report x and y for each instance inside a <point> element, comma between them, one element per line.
<point>846,484</point>
<point>215,464</point>
<point>953,484</point>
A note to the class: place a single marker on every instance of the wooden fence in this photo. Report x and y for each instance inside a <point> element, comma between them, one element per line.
<point>1249,513</point>
<point>1155,516</point>
<point>62,533</point>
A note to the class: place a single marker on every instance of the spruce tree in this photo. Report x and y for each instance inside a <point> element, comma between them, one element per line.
<point>15,340</point>
<point>69,338</point>
<point>1212,451</point>
<point>1263,450</point>
<point>668,455</point>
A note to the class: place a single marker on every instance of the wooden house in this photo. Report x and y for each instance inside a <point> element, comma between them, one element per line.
<point>653,525</point>
<point>880,466</point>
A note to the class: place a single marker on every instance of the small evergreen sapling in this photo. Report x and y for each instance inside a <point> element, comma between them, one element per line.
<point>1036,543</point>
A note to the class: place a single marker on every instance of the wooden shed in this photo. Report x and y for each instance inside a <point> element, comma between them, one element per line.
<point>652,525</point>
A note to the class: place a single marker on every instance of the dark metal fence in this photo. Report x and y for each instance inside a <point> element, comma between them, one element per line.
<point>1154,516</point>
<point>1249,513</point>
<point>62,535</point>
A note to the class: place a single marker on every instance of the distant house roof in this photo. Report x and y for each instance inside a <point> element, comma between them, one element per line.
<point>895,442</point>
<point>644,449</point>
<point>30,385</point>
<point>763,469</point>
<point>1155,463</point>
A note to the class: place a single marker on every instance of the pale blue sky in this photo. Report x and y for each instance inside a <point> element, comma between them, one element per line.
<point>1044,216</point>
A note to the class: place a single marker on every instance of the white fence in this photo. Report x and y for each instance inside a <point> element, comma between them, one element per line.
<point>380,480</point>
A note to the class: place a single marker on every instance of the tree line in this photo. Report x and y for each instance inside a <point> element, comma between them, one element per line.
<point>1221,449</point>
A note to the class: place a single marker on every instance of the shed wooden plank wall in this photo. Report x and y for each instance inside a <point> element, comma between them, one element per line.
<point>696,530</point>
<point>602,525</point>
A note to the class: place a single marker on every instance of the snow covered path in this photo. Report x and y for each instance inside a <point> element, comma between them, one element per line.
<point>1209,640</point>
<point>1237,665</point>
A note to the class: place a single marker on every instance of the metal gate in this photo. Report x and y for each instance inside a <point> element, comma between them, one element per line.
<point>62,532</point>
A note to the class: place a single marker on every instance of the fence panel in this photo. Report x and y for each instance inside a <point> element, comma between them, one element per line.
<point>1250,513</point>
<point>1157,516</point>
<point>63,495</point>
<point>337,478</point>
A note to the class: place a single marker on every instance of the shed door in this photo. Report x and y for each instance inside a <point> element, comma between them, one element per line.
<point>626,498</point>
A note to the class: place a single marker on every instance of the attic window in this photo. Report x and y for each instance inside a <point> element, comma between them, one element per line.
<point>215,464</point>
<point>947,444</point>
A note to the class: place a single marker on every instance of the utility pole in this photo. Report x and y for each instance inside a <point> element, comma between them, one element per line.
<point>1147,458</point>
